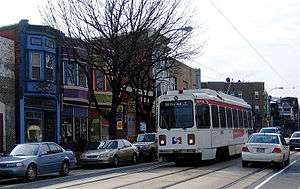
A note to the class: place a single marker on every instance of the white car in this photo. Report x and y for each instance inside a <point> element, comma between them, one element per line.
<point>266,147</point>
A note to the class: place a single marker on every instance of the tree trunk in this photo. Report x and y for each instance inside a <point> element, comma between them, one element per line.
<point>113,114</point>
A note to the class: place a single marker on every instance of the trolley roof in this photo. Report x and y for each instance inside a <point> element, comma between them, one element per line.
<point>209,94</point>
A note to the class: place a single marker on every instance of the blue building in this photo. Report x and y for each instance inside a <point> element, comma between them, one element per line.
<point>37,81</point>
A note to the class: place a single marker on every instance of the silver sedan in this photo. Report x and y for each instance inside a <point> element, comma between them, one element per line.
<point>31,159</point>
<point>111,152</point>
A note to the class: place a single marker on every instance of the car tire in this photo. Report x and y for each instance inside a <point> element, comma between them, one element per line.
<point>292,148</point>
<point>245,164</point>
<point>287,162</point>
<point>31,173</point>
<point>153,155</point>
<point>134,158</point>
<point>65,169</point>
<point>116,161</point>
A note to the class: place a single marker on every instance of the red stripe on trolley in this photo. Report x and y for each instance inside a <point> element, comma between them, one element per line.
<point>218,103</point>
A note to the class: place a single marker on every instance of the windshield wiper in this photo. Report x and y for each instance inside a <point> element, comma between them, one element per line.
<point>19,155</point>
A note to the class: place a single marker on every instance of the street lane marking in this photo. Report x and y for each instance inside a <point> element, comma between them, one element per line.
<point>274,175</point>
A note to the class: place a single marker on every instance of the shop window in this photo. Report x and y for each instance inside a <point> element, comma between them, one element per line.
<point>35,66</point>
<point>49,67</point>
<point>34,128</point>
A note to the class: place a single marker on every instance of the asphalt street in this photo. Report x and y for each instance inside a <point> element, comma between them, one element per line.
<point>225,174</point>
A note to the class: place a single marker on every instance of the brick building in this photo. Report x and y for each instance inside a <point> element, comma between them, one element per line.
<point>7,94</point>
<point>252,92</point>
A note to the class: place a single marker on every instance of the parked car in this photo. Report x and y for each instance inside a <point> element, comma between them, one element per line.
<point>295,140</point>
<point>111,152</point>
<point>270,130</point>
<point>32,159</point>
<point>266,147</point>
<point>147,146</point>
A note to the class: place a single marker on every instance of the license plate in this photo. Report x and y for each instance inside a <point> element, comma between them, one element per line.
<point>260,150</point>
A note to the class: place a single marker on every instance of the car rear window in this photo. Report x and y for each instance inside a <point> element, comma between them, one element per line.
<point>268,131</point>
<point>296,135</point>
<point>269,139</point>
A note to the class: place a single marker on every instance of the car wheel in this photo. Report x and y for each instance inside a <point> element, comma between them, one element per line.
<point>31,173</point>
<point>115,161</point>
<point>244,164</point>
<point>287,162</point>
<point>134,158</point>
<point>292,148</point>
<point>65,169</point>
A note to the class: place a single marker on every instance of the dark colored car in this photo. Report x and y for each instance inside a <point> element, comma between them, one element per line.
<point>295,140</point>
<point>147,146</point>
<point>32,159</point>
<point>110,152</point>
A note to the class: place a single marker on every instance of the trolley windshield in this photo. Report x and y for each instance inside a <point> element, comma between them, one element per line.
<point>176,114</point>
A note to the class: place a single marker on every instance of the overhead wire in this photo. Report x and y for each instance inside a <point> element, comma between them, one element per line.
<point>250,43</point>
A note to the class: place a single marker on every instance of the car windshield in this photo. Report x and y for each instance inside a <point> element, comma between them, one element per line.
<point>176,114</point>
<point>101,144</point>
<point>296,135</point>
<point>110,145</point>
<point>25,150</point>
<point>269,139</point>
<point>268,131</point>
<point>146,138</point>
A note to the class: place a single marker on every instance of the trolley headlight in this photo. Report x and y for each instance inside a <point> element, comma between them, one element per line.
<point>191,139</point>
<point>162,140</point>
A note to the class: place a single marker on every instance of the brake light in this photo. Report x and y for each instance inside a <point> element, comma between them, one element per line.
<point>191,139</point>
<point>245,149</point>
<point>276,150</point>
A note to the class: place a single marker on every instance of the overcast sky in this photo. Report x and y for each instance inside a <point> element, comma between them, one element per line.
<point>272,27</point>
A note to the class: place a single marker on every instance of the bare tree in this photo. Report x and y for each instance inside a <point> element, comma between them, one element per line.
<point>126,39</point>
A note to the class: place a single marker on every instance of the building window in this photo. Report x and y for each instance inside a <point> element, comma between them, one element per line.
<point>49,44</point>
<point>35,66</point>
<point>256,95</point>
<point>100,81</point>
<point>185,85</point>
<point>240,94</point>
<point>49,67</point>
<point>173,83</point>
<point>70,73</point>
<point>256,108</point>
<point>82,77</point>
<point>36,41</point>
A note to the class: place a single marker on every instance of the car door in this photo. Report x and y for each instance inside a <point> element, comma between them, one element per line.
<point>122,151</point>
<point>285,146</point>
<point>44,160</point>
<point>129,150</point>
<point>57,156</point>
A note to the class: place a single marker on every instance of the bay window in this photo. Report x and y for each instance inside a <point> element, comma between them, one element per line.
<point>35,66</point>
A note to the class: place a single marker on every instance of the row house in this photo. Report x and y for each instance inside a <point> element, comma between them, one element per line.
<point>7,94</point>
<point>37,67</point>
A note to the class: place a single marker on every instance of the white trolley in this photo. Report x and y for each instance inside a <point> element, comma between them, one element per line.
<point>201,124</point>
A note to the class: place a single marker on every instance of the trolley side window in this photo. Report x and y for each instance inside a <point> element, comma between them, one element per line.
<point>246,125</point>
<point>229,117</point>
<point>240,119</point>
<point>215,116</point>
<point>203,116</point>
<point>235,119</point>
<point>176,114</point>
<point>222,117</point>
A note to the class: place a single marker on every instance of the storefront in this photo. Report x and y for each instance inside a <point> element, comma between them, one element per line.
<point>99,127</point>
<point>74,124</point>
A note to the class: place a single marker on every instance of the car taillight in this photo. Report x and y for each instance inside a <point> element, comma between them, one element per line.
<point>245,149</point>
<point>276,150</point>
<point>191,139</point>
<point>162,140</point>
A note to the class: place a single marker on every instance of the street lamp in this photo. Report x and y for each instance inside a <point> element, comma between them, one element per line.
<point>275,89</point>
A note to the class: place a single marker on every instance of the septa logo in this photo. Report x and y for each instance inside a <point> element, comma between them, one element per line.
<point>177,140</point>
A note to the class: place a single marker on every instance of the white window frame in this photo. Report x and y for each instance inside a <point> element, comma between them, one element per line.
<point>256,95</point>
<point>32,65</point>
